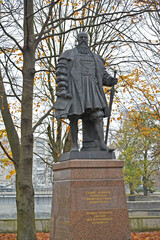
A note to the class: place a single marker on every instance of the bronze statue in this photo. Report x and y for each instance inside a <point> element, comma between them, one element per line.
<point>81,76</point>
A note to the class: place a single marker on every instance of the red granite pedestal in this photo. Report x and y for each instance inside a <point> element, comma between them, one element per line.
<point>89,201</point>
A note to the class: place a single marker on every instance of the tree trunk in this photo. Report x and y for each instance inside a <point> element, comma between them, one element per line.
<point>131,188</point>
<point>24,188</point>
<point>145,182</point>
<point>145,187</point>
<point>9,125</point>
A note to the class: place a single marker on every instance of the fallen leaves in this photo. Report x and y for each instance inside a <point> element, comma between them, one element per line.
<point>45,236</point>
<point>146,236</point>
<point>13,236</point>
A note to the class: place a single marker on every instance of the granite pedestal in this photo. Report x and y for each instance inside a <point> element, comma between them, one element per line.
<point>89,201</point>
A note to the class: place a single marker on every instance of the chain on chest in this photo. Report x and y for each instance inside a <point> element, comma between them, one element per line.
<point>87,62</point>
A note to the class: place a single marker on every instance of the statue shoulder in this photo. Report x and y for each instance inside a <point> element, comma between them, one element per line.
<point>68,54</point>
<point>99,58</point>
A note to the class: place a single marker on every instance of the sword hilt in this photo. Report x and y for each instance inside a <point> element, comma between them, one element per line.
<point>115,72</point>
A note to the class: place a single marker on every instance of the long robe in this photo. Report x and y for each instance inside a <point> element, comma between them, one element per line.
<point>64,108</point>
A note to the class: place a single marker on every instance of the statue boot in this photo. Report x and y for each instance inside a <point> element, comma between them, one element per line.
<point>100,133</point>
<point>74,133</point>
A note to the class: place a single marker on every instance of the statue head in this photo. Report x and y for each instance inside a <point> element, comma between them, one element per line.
<point>82,38</point>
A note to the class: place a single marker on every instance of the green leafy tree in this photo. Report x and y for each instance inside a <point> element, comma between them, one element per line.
<point>125,143</point>
<point>136,141</point>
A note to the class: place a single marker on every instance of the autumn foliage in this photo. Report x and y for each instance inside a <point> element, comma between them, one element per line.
<point>45,236</point>
<point>146,236</point>
<point>125,33</point>
<point>13,236</point>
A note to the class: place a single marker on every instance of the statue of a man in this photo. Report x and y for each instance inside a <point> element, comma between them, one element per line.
<point>81,76</point>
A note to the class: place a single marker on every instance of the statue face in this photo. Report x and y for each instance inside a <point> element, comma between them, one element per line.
<point>82,37</point>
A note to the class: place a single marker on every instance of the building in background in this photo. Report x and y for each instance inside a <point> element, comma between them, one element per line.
<point>42,169</point>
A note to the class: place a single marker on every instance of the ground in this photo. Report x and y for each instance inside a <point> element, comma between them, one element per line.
<point>45,236</point>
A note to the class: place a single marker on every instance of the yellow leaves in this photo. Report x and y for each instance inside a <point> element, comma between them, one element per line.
<point>143,123</point>
<point>38,105</point>
<point>68,128</point>
<point>119,118</point>
<point>5,164</point>
<point>3,133</point>
<point>81,21</point>
<point>125,77</point>
<point>146,133</point>
<point>107,61</point>
<point>11,173</point>
<point>76,14</point>
<point>8,50</point>
<point>8,177</point>
<point>106,89</point>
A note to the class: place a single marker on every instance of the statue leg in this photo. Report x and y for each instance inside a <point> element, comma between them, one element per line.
<point>74,132</point>
<point>90,140</point>
<point>100,132</point>
<point>97,118</point>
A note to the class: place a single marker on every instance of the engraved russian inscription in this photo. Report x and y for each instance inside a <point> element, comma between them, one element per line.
<point>99,217</point>
<point>98,196</point>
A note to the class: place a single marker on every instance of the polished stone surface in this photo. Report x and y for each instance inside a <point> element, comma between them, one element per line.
<point>87,155</point>
<point>89,201</point>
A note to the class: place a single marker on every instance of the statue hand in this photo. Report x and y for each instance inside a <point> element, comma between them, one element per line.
<point>114,81</point>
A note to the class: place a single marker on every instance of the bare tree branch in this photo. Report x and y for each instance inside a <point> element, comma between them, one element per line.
<point>45,24</point>
<point>51,165</point>
<point>11,37</point>
<point>42,118</point>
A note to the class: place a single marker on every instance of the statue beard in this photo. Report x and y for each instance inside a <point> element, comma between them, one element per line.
<point>83,48</point>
